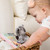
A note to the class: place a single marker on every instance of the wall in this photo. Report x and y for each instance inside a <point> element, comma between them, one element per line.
<point>6,17</point>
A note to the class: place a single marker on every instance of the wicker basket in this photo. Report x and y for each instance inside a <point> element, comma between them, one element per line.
<point>33,47</point>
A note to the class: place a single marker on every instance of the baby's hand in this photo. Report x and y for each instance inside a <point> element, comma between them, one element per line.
<point>31,3</point>
<point>16,43</point>
<point>22,45</point>
<point>40,42</point>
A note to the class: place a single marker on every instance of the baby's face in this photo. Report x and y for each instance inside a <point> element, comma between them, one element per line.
<point>38,13</point>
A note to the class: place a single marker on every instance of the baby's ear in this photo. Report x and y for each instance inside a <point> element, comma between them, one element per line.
<point>44,10</point>
<point>31,3</point>
<point>17,31</point>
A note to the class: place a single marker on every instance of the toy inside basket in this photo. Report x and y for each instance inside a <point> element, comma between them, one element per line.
<point>33,47</point>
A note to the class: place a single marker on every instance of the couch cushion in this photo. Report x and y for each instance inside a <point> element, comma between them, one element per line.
<point>30,24</point>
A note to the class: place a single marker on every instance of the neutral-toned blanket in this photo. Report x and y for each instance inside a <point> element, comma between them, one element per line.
<point>5,46</point>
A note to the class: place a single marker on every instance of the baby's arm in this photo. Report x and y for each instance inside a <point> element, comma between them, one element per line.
<point>44,37</point>
<point>36,36</point>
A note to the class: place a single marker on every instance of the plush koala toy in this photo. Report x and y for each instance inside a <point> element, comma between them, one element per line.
<point>21,34</point>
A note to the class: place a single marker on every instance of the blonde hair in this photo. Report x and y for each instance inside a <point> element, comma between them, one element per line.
<point>43,2</point>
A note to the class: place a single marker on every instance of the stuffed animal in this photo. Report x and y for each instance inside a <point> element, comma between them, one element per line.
<point>21,34</point>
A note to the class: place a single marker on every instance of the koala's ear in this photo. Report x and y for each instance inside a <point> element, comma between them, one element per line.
<point>24,30</point>
<point>17,37</point>
<point>17,30</point>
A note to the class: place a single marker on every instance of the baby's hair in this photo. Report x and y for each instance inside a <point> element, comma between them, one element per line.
<point>43,2</point>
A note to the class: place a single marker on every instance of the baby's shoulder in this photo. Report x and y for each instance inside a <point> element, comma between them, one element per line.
<point>46,22</point>
<point>48,19</point>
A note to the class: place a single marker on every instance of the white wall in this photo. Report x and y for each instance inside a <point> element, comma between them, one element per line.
<point>6,17</point>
